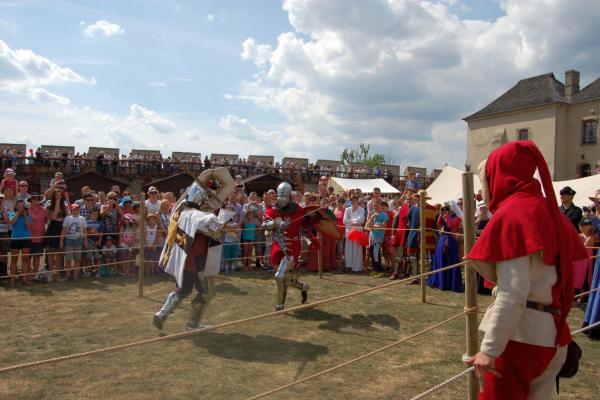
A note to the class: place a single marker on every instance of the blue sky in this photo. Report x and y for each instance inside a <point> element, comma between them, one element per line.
<point>297,78</point>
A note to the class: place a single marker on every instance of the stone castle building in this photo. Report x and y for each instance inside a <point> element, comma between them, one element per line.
<point>560,118</point>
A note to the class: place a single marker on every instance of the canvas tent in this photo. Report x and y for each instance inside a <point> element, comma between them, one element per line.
<point>365,185</point>
<point>448,186</point>
<point>585,187</point>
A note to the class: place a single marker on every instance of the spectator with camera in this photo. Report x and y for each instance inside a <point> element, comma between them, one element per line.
<point>20,243</point>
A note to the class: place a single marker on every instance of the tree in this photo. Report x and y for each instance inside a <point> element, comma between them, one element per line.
<point>361,156</point>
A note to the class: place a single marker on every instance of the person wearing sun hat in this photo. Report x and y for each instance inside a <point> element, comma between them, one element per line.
<point>527,249</point>
<point>570,210</point>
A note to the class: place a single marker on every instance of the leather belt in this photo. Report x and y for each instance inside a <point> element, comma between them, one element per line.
<point>542,307</point>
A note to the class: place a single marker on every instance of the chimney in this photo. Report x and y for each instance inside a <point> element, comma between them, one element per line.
<point>571,82</point>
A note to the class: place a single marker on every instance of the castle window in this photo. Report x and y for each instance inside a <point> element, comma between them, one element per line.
<point>523,134</point>
<point>590,127</point>
<point>586,170</point>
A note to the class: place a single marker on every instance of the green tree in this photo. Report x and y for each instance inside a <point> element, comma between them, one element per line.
<point>362,155</point>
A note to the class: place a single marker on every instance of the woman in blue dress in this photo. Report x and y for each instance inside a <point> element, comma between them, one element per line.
<point>446,253</point>
<point>592,312</point>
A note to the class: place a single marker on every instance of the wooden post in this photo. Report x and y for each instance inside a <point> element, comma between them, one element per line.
<point>422,252</point>
<point>320,255</point>
<point>142,241</point>
<point>470,279</point>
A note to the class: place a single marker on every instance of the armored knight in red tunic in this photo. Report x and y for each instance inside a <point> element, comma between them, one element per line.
<point>285,221</point>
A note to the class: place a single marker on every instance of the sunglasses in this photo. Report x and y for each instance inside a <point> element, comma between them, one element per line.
<point>23,185</point>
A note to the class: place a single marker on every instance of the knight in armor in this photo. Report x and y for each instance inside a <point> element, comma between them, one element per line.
<point>192,252</point>
<point>285,220</point>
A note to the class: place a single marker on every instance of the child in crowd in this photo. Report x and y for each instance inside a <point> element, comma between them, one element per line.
<point>389,250</point>
<point>9,180</point>
<point>248,238</point>
<point>376,222</point>
<point>231,247</point>
<point>128,243</point>
<point>152,248</point>
<point>109,253</point>
<point>94,240</point>
<point>73,239</point>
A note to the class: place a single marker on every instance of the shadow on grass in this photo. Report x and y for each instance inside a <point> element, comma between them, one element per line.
<point>262,348</point>
<point>336,322</point>
<point>86,283</point>
<point>228,288</point>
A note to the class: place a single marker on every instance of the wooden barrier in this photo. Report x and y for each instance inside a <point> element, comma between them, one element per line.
<point>142,230</point>
<point>422,235</point>
<point>470,279</point>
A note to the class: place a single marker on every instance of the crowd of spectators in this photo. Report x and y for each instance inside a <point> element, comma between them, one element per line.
<point>155,166</point>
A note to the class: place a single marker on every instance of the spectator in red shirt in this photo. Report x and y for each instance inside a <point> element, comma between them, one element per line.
<point>39,218</point>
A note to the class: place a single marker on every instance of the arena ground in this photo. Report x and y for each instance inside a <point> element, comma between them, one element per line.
<point>49,320</point>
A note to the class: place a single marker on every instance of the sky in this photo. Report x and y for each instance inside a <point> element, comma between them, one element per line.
<point>296,78</point>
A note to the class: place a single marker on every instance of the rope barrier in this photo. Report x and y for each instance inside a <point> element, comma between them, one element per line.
<point>586,328</point>
<point>586,293</point>
<point>442,384</point>
<point>470,369</point>
<point>442,231</point>
<point>48,253</point>
<point>218,326</point>
<point>335,368</point>
<point>64,269</point>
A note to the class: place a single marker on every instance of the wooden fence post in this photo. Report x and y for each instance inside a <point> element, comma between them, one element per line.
<point>142,241</point>
<point>320,255</point>
<point>470,279</point>
<point>422,235</point>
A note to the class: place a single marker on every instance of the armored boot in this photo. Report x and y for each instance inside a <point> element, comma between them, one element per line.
<point>303,287</point>
<point>281,294</point>
<point>198,308</point>
<point>170,304</point>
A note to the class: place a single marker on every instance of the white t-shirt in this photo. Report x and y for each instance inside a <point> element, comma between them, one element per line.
<point>151,235</point>
<point>75,227</point>
<point>152,207</point>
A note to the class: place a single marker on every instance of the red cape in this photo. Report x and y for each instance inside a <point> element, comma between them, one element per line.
<point>525,222</point>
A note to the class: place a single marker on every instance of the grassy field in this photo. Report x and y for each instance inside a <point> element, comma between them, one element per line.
<point>49,320</point>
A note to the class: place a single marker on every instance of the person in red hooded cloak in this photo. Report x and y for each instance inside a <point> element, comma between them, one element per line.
<point>528,250</point>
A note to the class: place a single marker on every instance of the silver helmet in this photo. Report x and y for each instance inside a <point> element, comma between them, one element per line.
<point>284,194</point>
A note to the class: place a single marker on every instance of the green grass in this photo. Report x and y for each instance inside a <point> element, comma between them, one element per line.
<point>49,320</point>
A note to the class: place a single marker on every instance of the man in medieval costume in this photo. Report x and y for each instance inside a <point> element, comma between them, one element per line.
<point>192,252</point>
<point>288,221</point>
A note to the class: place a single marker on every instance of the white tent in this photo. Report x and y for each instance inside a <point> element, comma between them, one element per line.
<point>365,185</point>
<point>585,187</point>
<point>448,186</point>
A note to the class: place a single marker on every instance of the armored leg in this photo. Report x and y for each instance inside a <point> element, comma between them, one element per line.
<point>282,286</point>
<point>172,301</point>
<point>206,292</point>
<point>282,279</point>
<point>303,287</point>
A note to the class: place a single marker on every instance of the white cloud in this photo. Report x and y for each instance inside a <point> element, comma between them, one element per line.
<point>210,18</point>
<point>102,28</point>
<point>43,96</point>
<point>144,116</point>
<point>401,74</point>
<point>23,72</point>
<point>259,54</point>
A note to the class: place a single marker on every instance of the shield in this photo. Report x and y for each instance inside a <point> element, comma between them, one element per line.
<point>322,220</point>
